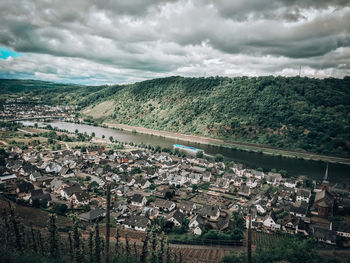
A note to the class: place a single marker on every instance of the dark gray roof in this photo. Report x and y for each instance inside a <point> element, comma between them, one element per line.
<point>42,197</point>
<point>137,198</point>
<point>92,214</point>
<point>25,187</point>
<point>82,196</point>
<point>341,227</point>
<point>178,216</point>
<point>164,204</point>
<point>36,192</point>
<point>324,234</point>
<point>72,189</point>
<point>136,221</point>
<point>303,192</point>
<point>208,210</point>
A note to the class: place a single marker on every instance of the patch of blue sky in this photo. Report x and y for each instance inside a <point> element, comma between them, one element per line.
<point>5,53</point>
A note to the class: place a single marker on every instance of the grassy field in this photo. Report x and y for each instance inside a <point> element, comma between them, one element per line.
<point>100,110</point>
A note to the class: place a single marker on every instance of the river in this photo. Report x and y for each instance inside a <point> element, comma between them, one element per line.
<point>338,173</point>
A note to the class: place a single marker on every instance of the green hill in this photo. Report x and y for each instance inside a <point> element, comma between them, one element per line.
<point>292,113</point>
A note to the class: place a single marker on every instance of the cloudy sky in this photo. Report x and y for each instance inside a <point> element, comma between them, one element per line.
<point>124,41</point>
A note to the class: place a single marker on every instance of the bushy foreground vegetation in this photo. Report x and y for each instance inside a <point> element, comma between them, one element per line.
<point>292,113</point>
<point>23,243</point>
<point>287,250</point>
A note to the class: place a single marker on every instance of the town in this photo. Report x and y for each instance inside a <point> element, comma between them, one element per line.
<point>180,193</point>
<point>18,108</point>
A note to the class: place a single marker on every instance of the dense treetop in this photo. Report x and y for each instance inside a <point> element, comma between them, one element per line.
<point>292,113</point>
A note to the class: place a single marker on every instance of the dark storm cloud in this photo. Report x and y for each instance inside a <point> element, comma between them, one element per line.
<point>147,38</point>
<point>280,9</point>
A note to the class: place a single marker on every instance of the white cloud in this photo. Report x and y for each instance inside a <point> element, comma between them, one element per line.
<point>104,41</point>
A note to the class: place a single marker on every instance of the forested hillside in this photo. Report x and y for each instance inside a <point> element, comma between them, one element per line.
<point>292,113</point>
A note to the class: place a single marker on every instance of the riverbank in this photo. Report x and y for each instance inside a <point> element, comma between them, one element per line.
<point>264,149</point>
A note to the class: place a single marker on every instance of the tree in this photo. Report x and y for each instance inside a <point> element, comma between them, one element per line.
<point>70,242</point>
<point>111,139</point>
<point>53,237</point>
<point>93,134</point>
<point>34,246</point>
<point>199,154</point>
<point>78,255</point>
<point>61,209</point>
<point>127,248</point>
<point>91,244</point>
<point>144,249</point>
<point>218,157</point>
<point>93,185</point>
<point>194,187</point>
<point>117,236</point>
<point>15,228</point>
<point>103,136</point>
<point>97,244</point>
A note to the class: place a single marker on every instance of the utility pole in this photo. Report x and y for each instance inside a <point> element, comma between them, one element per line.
<point>249,247</point>
<point>108,226</point>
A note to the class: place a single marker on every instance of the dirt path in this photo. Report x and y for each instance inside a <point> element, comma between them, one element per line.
<point>206,140</point>
<point>4,143</point>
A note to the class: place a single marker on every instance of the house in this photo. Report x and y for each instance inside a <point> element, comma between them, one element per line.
<point>244,190</point>
<point>67,192</point>
<point>27,169</point>
<point>187,207</point>
<point>196,221</point>
<point>341,228</point>
<point>98,180</point>
<point>222,183</point>
<point>251,183</point>
<point>38,198</point>
<point>164,205</point>
<point>136,222</point>
<point>303,195</point>
<point>92,215</point>
<point>138,200</point>
<point>299,209</point>
<point>56,185</point>
<point>196,225</point>
<point>323,204</point>
<point>150,212</point>
<point>177,218</point>
<point>260,209</point>
<point>198,169</point>
<point>121,190</point>
<point>177,180</point>
<point>24,187</point>
<point>324,235</point>
<point>35,176</point>
<point>270,222</point>
<point>194,178</point>
<point>67,172</point>
<point>53,168</point>
<point>8,178</point>
<point>258,174</point>
<point>289,183</point>
<point>81,197</point>
<point>206,177</point>
<point>210,212</point>
<point>273,178</point>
